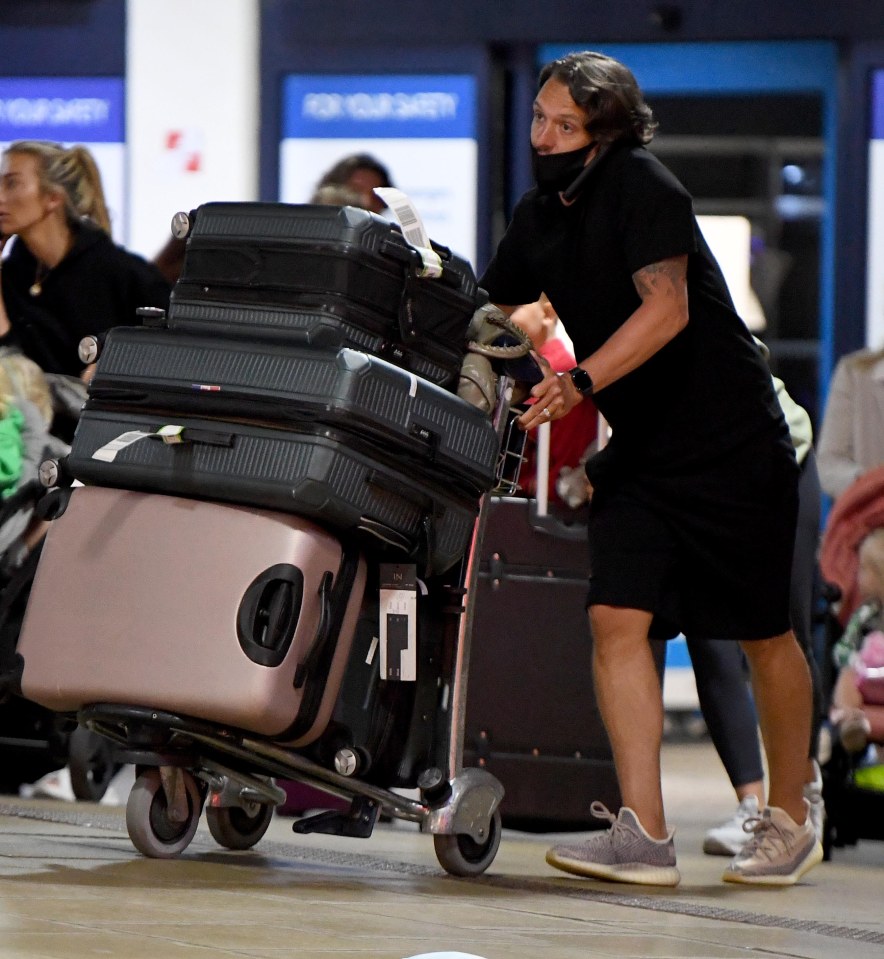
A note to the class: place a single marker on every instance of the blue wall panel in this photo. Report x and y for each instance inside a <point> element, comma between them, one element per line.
<point>52,38</point>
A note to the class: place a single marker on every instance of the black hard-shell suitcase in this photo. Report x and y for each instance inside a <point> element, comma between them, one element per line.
<point>318,473</point>
<point>531,717</point>
<point>327,322</point>
<point>297,254</point>
<point>399,728</point>
<point>174,373</point>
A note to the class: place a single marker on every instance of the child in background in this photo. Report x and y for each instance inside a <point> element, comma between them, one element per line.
<point>857,710</point>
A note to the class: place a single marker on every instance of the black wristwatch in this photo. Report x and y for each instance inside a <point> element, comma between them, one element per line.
<point>582,380</point>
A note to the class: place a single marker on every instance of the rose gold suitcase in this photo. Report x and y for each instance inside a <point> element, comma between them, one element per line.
<point>239,616</point>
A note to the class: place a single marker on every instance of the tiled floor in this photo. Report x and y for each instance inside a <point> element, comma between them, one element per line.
<point>71,885</point>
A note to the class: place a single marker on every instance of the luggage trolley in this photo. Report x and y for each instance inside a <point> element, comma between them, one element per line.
<point>285,485</point>
<point>185,765</point>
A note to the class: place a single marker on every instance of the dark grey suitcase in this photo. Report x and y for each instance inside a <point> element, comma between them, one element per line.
<point>531,717</point>
<point>422,424</point>
<point>327,322</point>
<point>292,251</point>
<point>318,473</point>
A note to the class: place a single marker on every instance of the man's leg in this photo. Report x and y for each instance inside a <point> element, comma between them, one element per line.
<point>631,705</point>
<point>784,843</point>
<point>637,847</point>
<point>783,698</point>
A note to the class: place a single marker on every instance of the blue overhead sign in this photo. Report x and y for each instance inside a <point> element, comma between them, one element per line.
<point>875,224</point>
<point>394,106</point>
<point>65,109</point>
<point>721,67</point>
<point>877,132</point>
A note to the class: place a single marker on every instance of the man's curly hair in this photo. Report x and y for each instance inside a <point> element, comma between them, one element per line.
<point>608,92</point>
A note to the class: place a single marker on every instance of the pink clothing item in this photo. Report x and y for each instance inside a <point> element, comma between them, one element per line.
<point>869,668</point>
<point>569,437</point>
<point>857,511</point>
<point>557,355</point>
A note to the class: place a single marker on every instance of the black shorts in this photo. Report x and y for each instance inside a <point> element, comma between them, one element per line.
<point>708,552</point>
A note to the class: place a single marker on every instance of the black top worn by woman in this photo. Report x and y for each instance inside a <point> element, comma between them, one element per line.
<point>96,286</point>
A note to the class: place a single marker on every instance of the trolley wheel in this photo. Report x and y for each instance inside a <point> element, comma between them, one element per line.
<point>461,855</point>
<point>91,762</point>
<point>236,828</point>
<point>152,832</point>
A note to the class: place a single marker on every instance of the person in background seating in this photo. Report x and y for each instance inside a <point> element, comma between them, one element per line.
<point>361,173</point>
<point>64,277</point>
<point>852,433</point>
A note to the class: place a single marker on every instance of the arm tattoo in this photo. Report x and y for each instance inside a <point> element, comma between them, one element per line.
<point>665,277</point>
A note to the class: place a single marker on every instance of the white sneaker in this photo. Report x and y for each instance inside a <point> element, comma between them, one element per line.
<point>54,785</point>
<point>813,793</point>
<point>118,789</point>
<point>730,837</point>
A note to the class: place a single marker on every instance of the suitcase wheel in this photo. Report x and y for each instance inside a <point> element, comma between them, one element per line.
<point>461,855</point>
<point>92,763</point>
<point>235,827</point>
<point>163,811</point>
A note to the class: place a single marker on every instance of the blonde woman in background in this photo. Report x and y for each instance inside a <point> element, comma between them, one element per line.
<point>63,277</point>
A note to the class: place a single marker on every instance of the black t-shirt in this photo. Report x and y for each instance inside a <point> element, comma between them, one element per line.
<point>706,391</point>
<point>96,286</point>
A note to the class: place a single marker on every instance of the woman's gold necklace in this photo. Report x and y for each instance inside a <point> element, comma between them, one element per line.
<point>43,271</point>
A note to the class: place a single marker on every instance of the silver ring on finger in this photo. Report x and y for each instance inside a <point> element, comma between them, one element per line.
<point>546,411</point>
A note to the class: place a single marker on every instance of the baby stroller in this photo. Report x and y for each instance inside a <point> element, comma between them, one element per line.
<point>853,784</point>
<point>35,740</point>
<point>853,790</point>
<point>219,643</point>
<point>853,794</point>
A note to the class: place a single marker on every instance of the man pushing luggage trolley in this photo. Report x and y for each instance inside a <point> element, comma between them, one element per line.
<point>693,512</point>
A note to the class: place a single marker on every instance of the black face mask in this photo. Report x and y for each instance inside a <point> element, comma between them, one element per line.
<point>555,172</point>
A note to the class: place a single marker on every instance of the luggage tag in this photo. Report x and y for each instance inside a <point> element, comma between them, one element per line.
<point>108,452</point>
<point>398,621</point>
<point>413,228</point>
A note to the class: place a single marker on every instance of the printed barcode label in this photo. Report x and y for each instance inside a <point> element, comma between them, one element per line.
<point>412,227</point>
<point>406,215</point>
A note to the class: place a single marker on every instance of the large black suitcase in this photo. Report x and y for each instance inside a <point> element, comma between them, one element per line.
<point>174,373</point>
<point>531,714</point>
<point>320,473</point>
<point>327,322</point>
<point>302,254</point>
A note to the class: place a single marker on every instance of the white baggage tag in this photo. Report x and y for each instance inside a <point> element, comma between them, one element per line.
<point>413,228</point>
<point>398,622</point>
<point>108,452</point>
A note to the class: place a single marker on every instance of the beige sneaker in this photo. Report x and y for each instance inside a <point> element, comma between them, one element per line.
<point>779,851</point>
<point>623,853</point>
